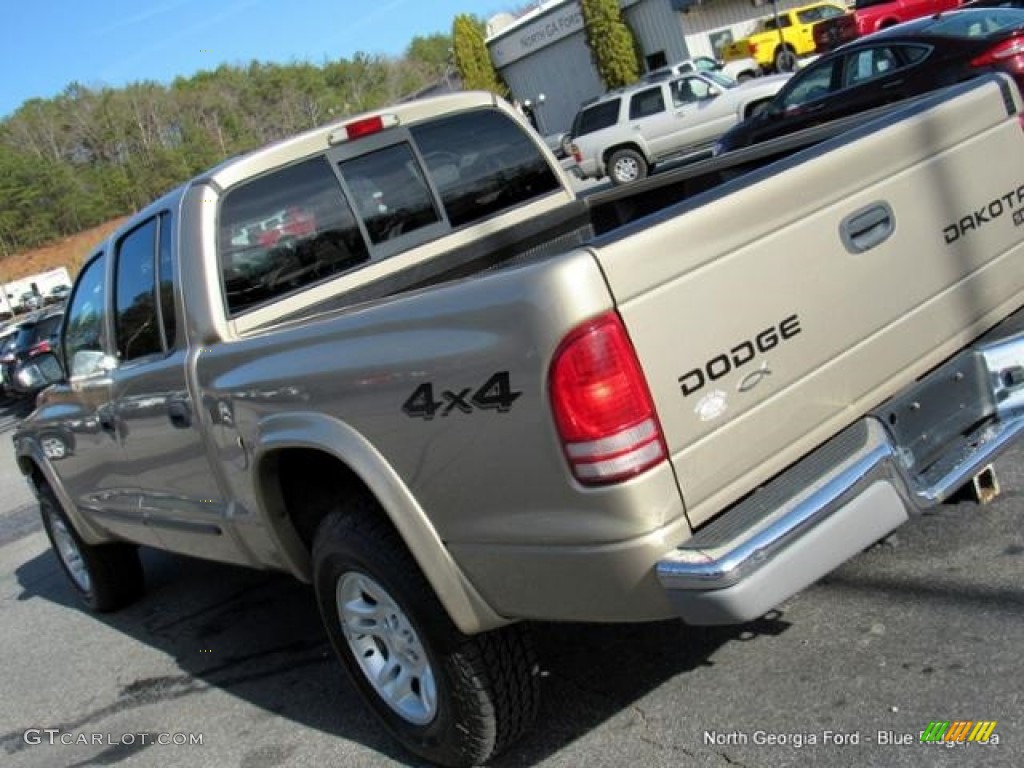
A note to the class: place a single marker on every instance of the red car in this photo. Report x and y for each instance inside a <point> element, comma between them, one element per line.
<point>872,15</point>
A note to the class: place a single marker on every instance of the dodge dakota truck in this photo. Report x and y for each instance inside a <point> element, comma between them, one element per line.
<point>396,357</point>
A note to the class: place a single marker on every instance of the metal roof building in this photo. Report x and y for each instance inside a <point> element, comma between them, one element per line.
<point>544,57</point>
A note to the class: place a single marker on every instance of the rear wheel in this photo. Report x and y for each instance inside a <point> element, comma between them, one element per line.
<point>785,60</point>
<point>105,576</point>
<point>626,165</point>
<point>451,698</point>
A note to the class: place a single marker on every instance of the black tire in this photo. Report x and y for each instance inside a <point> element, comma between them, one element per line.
<point>625,166</point>
<point>475,694</point>
<point>785,60</point>
<point>106,576</point>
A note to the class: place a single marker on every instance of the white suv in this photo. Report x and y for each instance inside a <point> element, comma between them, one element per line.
<point>740,70</point>
<point>624,133</point>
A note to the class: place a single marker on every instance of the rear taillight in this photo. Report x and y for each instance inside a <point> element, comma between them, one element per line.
<point>602,407</point>
<point>40,348</point>
<point>576,154</point>
<point>1001,55</point>
<point>752,47</point>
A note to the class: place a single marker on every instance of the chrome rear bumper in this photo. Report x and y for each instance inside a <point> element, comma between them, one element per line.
<point>913,453</point>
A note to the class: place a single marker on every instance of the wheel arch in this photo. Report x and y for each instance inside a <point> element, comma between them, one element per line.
<point>38,471</point>
<point>606,156</point>
<point>305,461</point>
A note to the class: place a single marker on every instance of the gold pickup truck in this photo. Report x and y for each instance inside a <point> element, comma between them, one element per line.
<point>396,357</point>
<point>779,41</point>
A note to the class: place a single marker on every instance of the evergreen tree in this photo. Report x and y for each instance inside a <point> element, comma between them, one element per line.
<point>611,43</point>
<point>472,59</point>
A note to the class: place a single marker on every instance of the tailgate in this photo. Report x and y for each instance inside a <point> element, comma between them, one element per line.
<point>777,309</point>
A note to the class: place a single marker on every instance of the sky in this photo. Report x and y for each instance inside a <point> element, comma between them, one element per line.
<point>48,44</point>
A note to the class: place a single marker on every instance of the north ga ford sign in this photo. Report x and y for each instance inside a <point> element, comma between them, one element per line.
<point>520,41</point>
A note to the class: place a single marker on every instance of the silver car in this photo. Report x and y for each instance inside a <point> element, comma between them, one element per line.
<point>627,132</point>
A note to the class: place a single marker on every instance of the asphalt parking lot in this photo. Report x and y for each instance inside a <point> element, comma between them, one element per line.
<point>926,626</point>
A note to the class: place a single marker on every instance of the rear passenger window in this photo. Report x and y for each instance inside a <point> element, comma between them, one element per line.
<point>646,103</point>
<point>166,277</point>
<point>596,118</point>
<point>482,163</point>
<point>284,231</point>
<point>135,321</point>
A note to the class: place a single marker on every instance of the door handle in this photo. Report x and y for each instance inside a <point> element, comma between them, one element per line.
<point>864,229</point>
<point>180,414</point>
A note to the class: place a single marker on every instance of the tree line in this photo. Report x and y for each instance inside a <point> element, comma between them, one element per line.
<point>93,153</point>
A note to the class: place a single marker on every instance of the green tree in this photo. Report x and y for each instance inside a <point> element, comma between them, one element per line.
<point>472,59</point>
<point>430,54</point>
<point>611,43</point>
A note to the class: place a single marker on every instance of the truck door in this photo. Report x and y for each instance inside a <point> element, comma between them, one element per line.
<point>78,434</point>
<point>653,125</point>
<point>153,414</point>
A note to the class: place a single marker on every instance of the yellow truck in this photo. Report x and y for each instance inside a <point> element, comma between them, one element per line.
<point>780,40</point>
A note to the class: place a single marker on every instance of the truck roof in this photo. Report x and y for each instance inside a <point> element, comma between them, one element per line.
<point>318,139</point>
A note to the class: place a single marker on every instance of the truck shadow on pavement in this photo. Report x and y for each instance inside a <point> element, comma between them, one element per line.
<point>259,637</point>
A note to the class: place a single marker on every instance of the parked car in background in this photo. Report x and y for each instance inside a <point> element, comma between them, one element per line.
<point>7,338</point>
<point>890,66</point>
<point>740,69</point>
<point>627,132</point>
<point>870,16</point>
<point>779,41</point>
<point>28,368</point>
<point>57,295</point>
<point>31,300</point>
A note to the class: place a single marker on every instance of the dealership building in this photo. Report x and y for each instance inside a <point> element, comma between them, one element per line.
<point>544,58</point>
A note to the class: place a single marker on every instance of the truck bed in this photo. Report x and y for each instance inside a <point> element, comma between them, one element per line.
<point>779,330</point>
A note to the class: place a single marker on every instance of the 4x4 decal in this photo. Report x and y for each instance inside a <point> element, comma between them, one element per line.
<point>495,394</point>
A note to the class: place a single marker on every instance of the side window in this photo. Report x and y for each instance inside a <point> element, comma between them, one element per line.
<point>283,231</point>
<point>911,54</point>
<point>389,192</point>
<point>596,118</point>
<point>816,84</point>
<point>136,326</point>
<point>84,329</point>
<point>165,275</point>
<point>869,64</point>
<point>482,163</point>
<point>646,103</point>
<point>682,92</point>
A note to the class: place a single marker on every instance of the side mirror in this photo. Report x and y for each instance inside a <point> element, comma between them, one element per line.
<point>38,373</point>
<point>713,91</point>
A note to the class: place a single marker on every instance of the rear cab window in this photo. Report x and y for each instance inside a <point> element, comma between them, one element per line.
<point>371,198</point>
<point>596,117</point>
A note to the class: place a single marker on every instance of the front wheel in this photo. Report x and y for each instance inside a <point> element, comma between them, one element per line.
<point>105,576</point>
<point>451,698</point>
<point>625,166</point>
